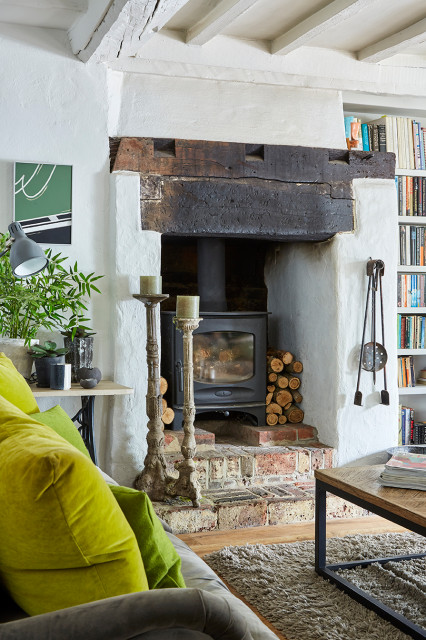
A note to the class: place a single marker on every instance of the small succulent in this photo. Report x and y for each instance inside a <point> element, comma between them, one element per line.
<point>46,350</point>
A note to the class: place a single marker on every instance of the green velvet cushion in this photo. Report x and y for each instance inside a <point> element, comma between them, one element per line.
<point>14,387</point>
<point>160,558</point>
<point>59,421</point>
<point>64,540</point>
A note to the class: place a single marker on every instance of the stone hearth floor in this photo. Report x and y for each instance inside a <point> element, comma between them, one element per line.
<point>246,485</point>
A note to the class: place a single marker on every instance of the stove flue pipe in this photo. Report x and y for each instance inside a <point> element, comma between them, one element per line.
<point>211,274</point>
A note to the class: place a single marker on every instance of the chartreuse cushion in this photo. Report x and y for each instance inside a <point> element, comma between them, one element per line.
<point>59,421</point>
<point>14,387</point>
<point>64,540</point>
<point>160,558</point>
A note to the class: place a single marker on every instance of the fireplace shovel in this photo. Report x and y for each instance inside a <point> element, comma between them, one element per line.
<point>373,355</point>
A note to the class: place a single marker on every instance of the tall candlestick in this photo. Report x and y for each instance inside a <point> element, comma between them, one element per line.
<point>187,306</point>
<point>187,483</point>
<point>154,477</point>
<point>150,285</point>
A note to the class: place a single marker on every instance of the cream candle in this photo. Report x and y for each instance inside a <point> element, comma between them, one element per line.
<point>150,284</point>
<point>187,306</point>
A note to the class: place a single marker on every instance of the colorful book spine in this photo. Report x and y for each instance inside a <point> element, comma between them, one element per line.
<point>365,138</point>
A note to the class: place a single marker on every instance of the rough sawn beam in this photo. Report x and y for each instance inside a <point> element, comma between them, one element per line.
<point>270,192</point>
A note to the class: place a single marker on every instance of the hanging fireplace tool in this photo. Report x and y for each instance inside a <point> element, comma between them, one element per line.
<point>373,355</point>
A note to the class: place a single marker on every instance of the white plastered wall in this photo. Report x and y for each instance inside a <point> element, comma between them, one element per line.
<point>54,110</point>
<point>136,253</point>
<point>317,297</point>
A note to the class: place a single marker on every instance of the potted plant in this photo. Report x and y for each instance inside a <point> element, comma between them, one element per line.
<point>47,300</point>
<point>44,356</point>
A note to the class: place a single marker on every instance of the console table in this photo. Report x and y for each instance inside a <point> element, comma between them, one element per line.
<point>85,416</point>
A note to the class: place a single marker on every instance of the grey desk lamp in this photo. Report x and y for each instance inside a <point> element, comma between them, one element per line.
<point>26,257</point>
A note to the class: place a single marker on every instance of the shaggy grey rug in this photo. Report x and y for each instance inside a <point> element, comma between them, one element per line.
<point>280,581</point>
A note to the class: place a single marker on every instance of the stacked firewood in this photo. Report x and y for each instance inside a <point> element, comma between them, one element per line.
<point>168,414</point>
<point>282,390</point>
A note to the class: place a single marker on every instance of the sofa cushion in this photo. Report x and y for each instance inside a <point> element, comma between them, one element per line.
<point>14,387</point>
<point>160,559</point>
<point>63,540</point>
<point>61,423</point>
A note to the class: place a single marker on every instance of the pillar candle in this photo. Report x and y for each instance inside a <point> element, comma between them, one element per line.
<point>187,306</point>
<point>150,284</point>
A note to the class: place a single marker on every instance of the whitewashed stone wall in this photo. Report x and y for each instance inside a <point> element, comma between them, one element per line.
<point>317,296</point>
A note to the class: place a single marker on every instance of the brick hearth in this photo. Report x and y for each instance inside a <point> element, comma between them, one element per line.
<point>245,485</point>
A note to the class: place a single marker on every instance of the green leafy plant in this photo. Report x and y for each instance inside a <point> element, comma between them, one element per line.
<point>46,350</point>
<point>54,299</point>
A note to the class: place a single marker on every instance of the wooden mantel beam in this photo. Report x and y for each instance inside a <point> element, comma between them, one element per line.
<point>270,192</point>
<point>216,20</point>
<point>111,29</point>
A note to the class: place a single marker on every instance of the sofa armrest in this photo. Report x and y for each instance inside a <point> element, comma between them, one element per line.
<point>132,615</point>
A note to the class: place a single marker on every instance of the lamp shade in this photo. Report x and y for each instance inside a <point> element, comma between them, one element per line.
<point>26,257</point>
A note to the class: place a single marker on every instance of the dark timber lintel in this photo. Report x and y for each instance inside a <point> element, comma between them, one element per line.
<point>271,192</point>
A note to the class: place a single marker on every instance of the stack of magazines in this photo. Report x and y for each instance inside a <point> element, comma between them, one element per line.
<point>405,470</point>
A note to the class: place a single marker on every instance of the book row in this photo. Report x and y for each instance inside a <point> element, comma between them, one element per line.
<point>411,332</point>
<point>411,290</point>
<point>411,191</point>
<point>404,137</point>
<point>410,432</point>
<point>412,245</point>
<point>406,377</point>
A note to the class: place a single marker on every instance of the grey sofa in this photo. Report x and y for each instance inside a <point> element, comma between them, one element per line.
<point>205,610</point>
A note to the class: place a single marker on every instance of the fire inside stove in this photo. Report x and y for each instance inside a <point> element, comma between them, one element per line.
<point>223,357</point>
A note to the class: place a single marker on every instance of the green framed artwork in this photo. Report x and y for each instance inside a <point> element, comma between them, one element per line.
<point>43,201</point>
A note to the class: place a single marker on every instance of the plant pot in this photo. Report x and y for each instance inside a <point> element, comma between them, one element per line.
<point>80,354</point>
<point>42,367</point>
<point>17,351</point>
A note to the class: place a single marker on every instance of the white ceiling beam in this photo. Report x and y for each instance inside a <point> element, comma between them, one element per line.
<point>395,43</point>
<point>118,28</point>
<point>216,20</point>
<point>327,17</point>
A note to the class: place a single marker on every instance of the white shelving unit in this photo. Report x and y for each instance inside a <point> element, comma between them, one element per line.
<point>414,397</point>
<point>370,107</point>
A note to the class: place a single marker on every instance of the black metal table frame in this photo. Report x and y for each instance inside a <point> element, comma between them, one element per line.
<point>329,571</point>
<point>86,419</point>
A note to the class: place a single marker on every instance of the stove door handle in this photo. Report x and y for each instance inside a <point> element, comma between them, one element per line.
<point>179,372</point>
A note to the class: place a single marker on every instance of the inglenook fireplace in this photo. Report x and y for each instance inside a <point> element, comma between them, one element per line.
<point>182,190</point>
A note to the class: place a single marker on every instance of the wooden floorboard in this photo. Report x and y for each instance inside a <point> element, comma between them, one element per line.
<point>209,541</point>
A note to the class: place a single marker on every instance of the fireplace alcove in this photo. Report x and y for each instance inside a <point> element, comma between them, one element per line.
<point>265,193</point>
<point>230,343</point>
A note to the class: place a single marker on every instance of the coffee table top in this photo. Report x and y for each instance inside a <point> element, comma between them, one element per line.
<point>363,482</point>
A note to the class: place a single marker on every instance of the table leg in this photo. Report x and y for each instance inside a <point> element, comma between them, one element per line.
<point>86,419</point>
<point>320,526</point>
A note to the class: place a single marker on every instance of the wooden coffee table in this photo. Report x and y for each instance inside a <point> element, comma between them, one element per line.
<point>360,485</point>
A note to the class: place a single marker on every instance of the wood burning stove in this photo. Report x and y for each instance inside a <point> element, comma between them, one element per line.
<point>229,363</point>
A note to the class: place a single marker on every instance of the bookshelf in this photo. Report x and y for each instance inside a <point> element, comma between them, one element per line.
<point>413,397</point>
<point>396,136</point>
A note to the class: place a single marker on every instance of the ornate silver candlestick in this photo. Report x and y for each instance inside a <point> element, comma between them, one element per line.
<point>187,482</point>
<point>153,479</point>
